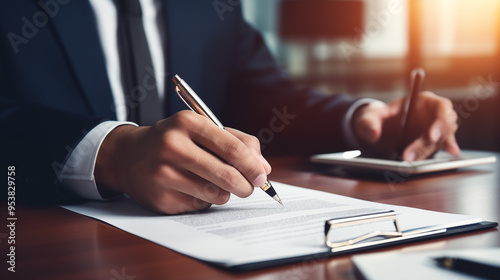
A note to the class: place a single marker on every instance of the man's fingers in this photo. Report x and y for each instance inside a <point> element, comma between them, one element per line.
<point>451,146</point>
<point>254,144</point>
<point>214,154</point>
<point>233,151</point>
<point>369,129</point>
<point>420,149</point>
<point>440,131</point>
<point>175,202</point>
<point>368,123</point>
<point>212,168</point>
<point>186,163</point>
<point>443,130</point>
<point>424,146</point>
<point>193,185</point>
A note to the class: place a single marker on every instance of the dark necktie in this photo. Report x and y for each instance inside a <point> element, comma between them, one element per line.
<point>138,78</point>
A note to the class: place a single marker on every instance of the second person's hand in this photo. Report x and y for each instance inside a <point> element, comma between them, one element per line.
<point>432,127</point>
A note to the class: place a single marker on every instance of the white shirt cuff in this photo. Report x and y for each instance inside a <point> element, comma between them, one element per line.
<point>349,137</point>
<point>77,175</point>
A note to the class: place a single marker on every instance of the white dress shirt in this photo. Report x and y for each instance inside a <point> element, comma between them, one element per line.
<point>77,175</point>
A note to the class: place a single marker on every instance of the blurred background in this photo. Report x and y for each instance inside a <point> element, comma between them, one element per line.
<point>368,48</point>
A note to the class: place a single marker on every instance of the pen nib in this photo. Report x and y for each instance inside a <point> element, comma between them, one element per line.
<point>277,198</point>
<point>268,188</point>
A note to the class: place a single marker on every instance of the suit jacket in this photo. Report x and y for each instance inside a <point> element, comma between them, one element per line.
<point>54,86</point>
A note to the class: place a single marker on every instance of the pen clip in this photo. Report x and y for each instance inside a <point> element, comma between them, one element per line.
<point>184,100</point>
<point>193,101</point>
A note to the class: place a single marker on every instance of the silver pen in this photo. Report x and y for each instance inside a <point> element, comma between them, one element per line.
<point>194,102</point>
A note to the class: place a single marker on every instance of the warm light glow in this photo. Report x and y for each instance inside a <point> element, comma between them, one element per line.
<point>460,27</point>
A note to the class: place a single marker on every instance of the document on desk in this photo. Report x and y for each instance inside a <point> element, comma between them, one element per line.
<point>256,232</point>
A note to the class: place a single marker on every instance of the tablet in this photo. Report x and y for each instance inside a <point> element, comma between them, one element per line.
<point>441,161</point>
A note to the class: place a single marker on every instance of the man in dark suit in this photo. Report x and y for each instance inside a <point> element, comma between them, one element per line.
<point>64,108</point>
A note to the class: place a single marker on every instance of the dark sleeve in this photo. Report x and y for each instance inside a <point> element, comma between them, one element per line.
<point>36,141</point>
<point>264,102</point>
<point>42,113</point>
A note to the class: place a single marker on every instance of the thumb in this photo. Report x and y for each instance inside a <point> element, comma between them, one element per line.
<point>368,128</point>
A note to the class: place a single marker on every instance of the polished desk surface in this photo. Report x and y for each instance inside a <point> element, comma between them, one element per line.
<point>54,243</point>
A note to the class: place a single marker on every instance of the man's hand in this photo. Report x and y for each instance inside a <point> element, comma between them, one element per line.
<point>180,164</point>
<point>431,128</point>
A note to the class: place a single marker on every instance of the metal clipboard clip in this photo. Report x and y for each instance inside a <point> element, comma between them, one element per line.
<point>388,236</point>
<point>362,219</point>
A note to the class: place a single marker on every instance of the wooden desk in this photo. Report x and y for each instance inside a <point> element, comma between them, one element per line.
<point>53,243</point>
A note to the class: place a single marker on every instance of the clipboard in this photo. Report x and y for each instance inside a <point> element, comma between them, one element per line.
<point>363,242</point>
<point>251,233</point>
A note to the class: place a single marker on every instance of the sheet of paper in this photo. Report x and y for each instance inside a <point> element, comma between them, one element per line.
<point>256,228</point>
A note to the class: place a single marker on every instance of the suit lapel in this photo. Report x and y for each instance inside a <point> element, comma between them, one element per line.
<point>76,26</point>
